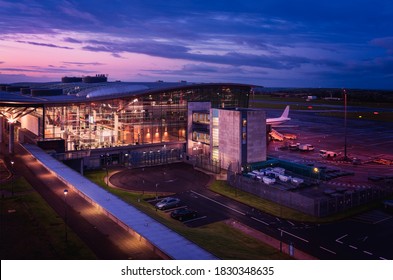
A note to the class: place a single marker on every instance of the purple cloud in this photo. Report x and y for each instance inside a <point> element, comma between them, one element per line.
<point>72,40</point>
<point>386,43</point>
<point>83,63</point>
<point>44,45</point>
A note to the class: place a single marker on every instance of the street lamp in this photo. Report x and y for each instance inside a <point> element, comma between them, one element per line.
<point>105,157</point>
<point>156,191</point>
<point>65,214</point>
<point>316,171</point>
<point>345,125</point>
<point>12,171</point>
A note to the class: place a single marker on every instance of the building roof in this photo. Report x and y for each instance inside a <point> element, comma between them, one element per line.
<point>85,92</point>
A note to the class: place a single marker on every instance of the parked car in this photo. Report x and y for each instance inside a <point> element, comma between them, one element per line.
<point>168,202</point>
<point>183,214</point>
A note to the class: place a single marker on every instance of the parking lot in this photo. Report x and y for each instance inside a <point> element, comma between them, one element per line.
<point>164,179</point>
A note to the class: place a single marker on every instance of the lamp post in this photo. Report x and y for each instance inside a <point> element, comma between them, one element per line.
<point>12,171</point>
<point>345,125</point>
<point>65,214</point>
<point>156,191</point>
<point>126,159</point>
<point>316,171</point>
<point>105,158</point>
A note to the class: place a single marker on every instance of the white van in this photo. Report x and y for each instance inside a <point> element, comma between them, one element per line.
<point>327,154</point>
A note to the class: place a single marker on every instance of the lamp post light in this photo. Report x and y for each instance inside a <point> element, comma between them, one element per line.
<point>12,171</point>
<point>126,160</point>
<point>316,171</point>
<point>65,214</point>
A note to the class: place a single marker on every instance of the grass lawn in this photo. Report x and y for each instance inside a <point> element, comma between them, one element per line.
<point>31,230</point>
<point>218,238</point>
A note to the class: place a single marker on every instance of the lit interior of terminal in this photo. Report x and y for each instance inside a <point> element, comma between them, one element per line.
<point>94,116</point>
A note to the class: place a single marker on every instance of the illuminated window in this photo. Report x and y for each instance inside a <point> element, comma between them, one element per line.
<point>244,122</point>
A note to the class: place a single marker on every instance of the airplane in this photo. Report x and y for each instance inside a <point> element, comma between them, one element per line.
<point>277,121</point>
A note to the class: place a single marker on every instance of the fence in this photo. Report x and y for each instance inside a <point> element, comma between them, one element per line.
<point>321,206</point>
<point>205,163</point>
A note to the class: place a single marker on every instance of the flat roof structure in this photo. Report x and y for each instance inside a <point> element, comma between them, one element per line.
<point>83,92</point>
<point>161,237</point>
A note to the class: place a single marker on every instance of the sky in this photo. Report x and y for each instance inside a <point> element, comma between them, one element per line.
<point>271,43</point>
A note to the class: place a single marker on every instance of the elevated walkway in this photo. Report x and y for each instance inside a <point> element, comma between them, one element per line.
<point>159,236</point>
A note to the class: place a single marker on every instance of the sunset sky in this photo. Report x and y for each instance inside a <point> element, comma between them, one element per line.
<point>273,43</point>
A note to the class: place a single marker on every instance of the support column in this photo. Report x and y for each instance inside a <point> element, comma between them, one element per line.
<point>11,138</point>
<point>116,129</point>
<point>1,129</point>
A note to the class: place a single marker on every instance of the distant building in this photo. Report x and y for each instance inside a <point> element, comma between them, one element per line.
<point>71,79</point>
<point>99,78</point>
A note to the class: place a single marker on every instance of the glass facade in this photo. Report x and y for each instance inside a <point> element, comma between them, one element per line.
<point>157,117</point>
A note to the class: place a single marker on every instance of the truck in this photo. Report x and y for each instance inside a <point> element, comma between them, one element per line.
<point>327,154</point>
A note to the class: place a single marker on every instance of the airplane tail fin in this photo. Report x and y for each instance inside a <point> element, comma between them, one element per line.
<point>285,113</point>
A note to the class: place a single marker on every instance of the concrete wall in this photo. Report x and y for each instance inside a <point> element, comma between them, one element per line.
<point>256,136</point>
<point>31,123</point>
<point>229,137</point>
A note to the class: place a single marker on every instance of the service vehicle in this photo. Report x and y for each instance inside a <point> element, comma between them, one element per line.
<point>327,154</point>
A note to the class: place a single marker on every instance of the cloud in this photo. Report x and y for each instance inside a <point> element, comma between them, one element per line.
<point>386,43</point>
<point>83,63</point>
<point>49,69</point>
<point>73,11</point>
<point>72,40</point>
<point>44,45</point>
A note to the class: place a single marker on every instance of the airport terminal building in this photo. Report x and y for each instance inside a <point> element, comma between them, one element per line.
<point>134,123</point>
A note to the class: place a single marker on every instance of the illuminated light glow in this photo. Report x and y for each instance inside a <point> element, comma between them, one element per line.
<point>11,120</point>
<point>376,113</point>
<point>360,117</point>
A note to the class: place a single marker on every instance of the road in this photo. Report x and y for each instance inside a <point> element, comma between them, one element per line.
<point>364,237</point>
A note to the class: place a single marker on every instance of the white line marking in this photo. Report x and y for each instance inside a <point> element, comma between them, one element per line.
<point>291,223</point>
<point>353,247</point>
<point>330,251</point>
<point>208,198</point>
<point>382,258</point>
<point>338,239</point>
<point>302,239</point>
<point>258,220</point>
<point>368,253</point>
<point>380,221</point>
<point>196,219</point>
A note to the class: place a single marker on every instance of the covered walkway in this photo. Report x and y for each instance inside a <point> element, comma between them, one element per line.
<point>161,238</point>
